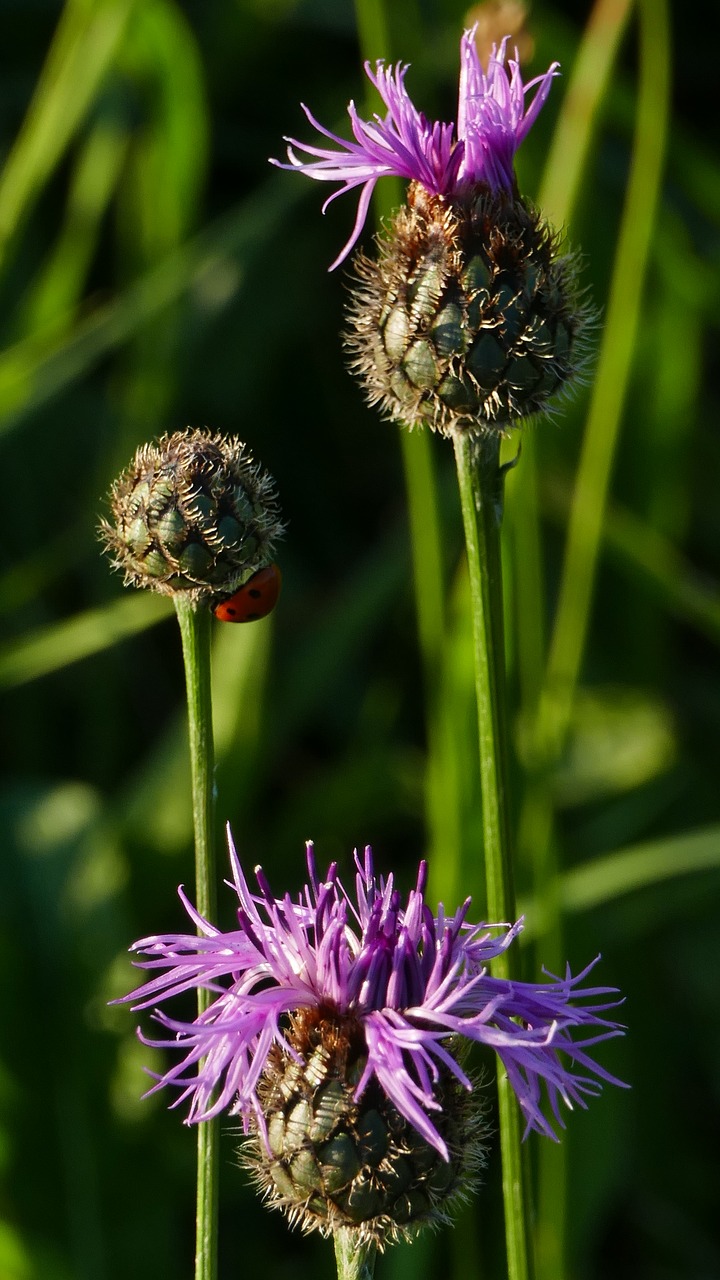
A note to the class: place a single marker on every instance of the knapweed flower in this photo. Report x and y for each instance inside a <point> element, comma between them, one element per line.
<point>470,316</point>
<point>336,1030</point>
<point>193,514</point>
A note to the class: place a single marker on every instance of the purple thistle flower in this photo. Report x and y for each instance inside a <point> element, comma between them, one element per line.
<point>408,983</point>
<point>493,119</point>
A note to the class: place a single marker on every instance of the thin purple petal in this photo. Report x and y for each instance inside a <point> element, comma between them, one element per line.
<point>412,981</point>
<point>493,119</point>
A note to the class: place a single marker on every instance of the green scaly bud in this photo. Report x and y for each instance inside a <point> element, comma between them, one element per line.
<point>470,318</point>
<point>193,514</point>
<point>330,1161</point>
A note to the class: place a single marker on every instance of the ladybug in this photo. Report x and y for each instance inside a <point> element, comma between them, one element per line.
<point>256,598</point>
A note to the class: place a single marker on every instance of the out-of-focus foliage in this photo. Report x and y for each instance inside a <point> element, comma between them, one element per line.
<point>155,272</point>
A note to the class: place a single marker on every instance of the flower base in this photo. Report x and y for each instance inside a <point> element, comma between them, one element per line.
<point>333,1162</point>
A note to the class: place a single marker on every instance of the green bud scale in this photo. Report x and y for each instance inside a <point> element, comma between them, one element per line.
<point>332,1161</point>
<point>470,318</point>
<point>192,513</point>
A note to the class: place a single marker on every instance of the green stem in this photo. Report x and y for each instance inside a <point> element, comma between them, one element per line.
<point>354,1261</point>
<point>480,483</point>
<point>195,633</point>
<point>480,480</point>
<point>611,380</point>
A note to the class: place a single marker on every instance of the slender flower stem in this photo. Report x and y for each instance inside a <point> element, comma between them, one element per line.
<point>480,480</point>
<point>195,633</point>
<point>354,1262</point>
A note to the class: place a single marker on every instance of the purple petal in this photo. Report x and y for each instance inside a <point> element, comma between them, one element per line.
<point>410,980</point>
<point>492,122</point>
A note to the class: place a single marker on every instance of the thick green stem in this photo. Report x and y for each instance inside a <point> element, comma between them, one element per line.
<point>480,479</point>
<point>195,632</point>
<point>354,1261</point>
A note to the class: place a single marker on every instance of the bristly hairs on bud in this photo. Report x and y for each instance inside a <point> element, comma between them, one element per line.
<point>192,514</point>
<point>470,318</point>
<point>329,1160</point>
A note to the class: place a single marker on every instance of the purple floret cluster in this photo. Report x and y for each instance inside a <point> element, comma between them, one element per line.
<point>413,982</point>
<point>493,118</point>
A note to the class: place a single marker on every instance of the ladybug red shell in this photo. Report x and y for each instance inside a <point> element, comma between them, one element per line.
<point>255,599</point>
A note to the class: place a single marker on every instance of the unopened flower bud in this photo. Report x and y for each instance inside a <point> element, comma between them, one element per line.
<point>192,513</point>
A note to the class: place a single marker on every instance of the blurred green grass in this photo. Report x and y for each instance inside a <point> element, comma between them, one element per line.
<point>154,273</point>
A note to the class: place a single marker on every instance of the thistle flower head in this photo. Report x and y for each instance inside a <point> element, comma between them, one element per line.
<point>335,1030</point>
<point>469,318</point>
<point>192,513</point>
<point>493,118</point>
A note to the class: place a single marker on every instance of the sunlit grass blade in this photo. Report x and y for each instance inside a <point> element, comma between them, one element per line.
<point>647,555</point>
<point>53,296</point>
<point>42,365</point>
<point>58,645</point>
<point>160,196</point>
<point>168,159</point>
<point>566,164</point>
<point>86,42</point>
<point>612,375</point>
<point>577,122</point>
<point>611,876</point>
<point>562,177</point>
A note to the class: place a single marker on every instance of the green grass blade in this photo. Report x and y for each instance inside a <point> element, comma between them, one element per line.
<point>630,870</point>
<point>43,365</point>
<point>86,42</point>
<point>613,372</point>
<point>52,298</point>
<point>648,555</point>
<point>578,119</point>
<point>56,646</point>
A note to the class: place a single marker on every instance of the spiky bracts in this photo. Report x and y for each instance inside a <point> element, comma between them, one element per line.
<point>469,318</point>
<point>330,1159</point>
<point>192,513</point>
